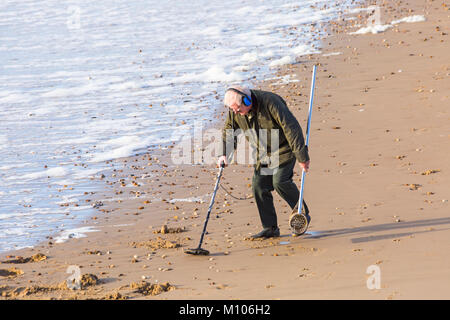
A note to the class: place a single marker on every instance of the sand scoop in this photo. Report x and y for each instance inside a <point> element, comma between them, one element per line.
<point>299,220</point>
<point>199,251</point>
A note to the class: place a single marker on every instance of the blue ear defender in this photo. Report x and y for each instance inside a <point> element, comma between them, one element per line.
<point>246,100</point>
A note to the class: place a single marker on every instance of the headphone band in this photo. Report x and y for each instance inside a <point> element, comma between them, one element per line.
<point>246,100</point>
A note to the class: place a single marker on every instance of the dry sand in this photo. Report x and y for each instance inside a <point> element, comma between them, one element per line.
<point>378,190</point>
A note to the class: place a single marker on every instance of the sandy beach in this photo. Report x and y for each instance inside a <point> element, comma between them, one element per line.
<point>378,191</point>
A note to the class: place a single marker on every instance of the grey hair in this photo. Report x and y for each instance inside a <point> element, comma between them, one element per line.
<point>232,97</point>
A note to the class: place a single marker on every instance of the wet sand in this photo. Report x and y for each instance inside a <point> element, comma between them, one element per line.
<point>377,190</point>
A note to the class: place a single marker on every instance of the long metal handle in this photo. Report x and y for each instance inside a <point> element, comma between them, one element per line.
<point>211,203</point>
<point>311,100</point>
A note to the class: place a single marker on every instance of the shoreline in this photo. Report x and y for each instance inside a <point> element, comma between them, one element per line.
<point>381,145</point>
<point>90,198</point>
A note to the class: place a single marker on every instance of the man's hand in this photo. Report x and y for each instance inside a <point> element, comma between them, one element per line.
<point>304,165</point>
<point>222,159</point>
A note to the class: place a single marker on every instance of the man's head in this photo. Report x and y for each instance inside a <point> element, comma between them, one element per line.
<point>238,99</point>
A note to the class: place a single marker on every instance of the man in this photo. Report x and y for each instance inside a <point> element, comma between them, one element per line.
<point>256,111</point>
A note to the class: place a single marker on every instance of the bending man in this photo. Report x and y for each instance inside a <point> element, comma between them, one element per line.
<point>255,112</point>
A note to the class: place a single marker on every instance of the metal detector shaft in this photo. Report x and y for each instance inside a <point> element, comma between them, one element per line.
<point>311,99</point>
<point>211,203</point>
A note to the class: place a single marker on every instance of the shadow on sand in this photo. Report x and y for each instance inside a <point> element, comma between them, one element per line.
<point>381,228</point>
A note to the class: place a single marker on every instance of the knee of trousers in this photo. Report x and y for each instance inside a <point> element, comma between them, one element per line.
<point>282,185</point>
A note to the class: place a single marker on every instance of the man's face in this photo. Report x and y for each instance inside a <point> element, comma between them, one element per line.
<point>242,110</point>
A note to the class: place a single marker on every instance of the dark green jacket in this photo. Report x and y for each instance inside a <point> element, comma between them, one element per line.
<point>269,111</point>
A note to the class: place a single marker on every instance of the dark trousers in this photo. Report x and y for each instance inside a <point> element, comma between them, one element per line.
<point>264,184</point>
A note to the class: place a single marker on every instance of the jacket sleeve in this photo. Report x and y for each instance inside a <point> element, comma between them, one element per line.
<point>228,139</point>
<point>291,129</point>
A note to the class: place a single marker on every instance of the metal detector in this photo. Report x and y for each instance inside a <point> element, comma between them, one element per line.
<point>199,251</point>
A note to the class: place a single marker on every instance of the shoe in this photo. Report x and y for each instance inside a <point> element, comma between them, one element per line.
<point>267,233</point>
<point>299,223</point>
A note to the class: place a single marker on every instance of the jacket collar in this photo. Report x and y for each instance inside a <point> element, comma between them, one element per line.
<point>255,106</point>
